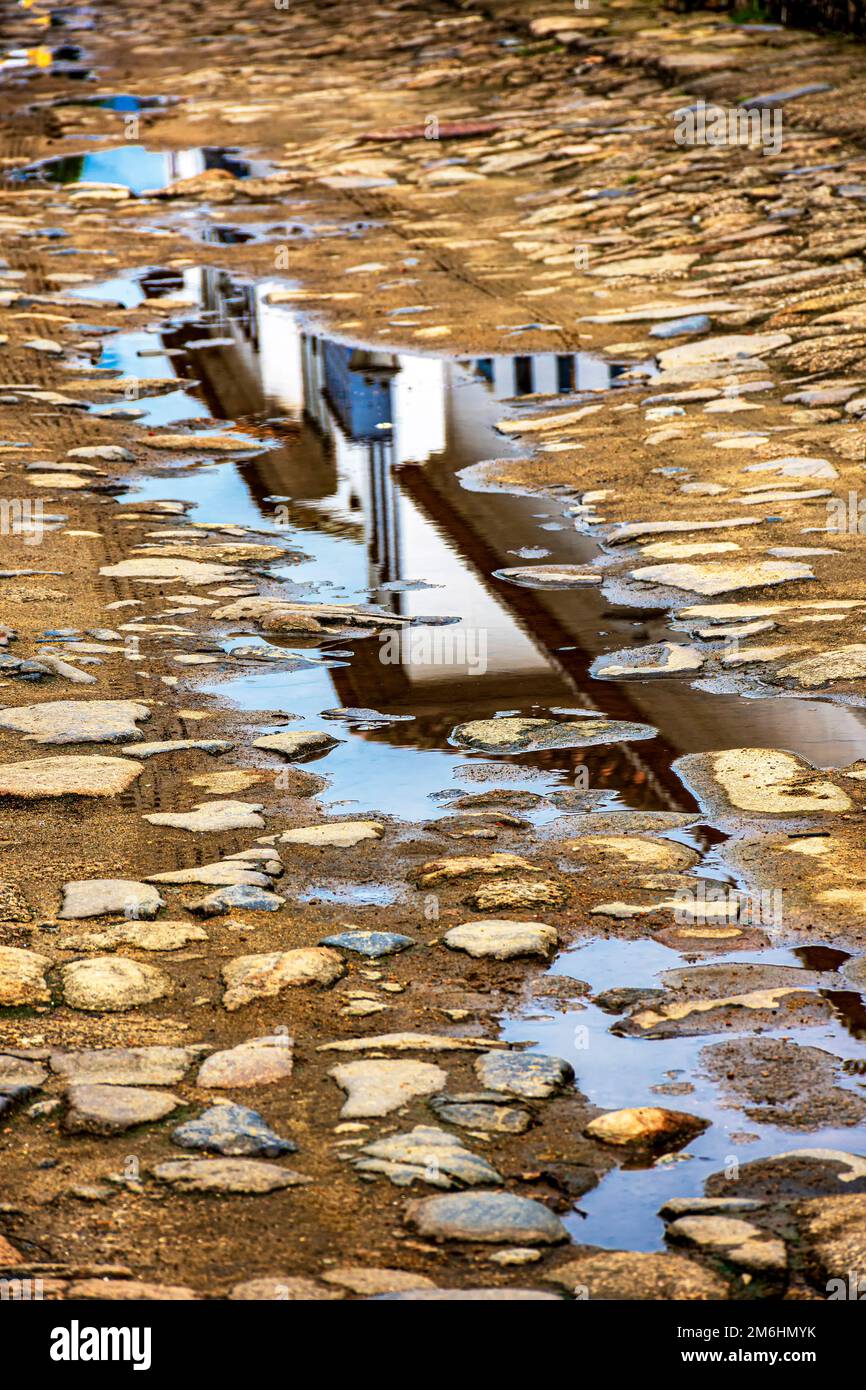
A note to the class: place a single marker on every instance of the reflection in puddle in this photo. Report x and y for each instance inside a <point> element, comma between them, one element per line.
<point>353,895</point>
<point>370,491</point>
<point>138,168</point>
<point>116,101</point>
<point>362,476</point>
<point>358,470</point>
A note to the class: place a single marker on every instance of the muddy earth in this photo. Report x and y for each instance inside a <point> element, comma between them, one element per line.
<point>432,652</point>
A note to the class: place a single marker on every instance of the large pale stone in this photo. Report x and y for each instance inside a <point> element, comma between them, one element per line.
<point>124,1066</point>
<point>738,1242</point>
<point>212,815</point>
<point>250,1176</point>
<point>490,1217</point>
<point>635,1274</point>
<point>188,571</point>
<point>426,1154</point>
<point>551,576</point>
<point>214,875</point>
<point>339,834</point>
<point>112,1109</point>
<point>660,659</point>
<point>263,977</point>
<point>642,850</point>
<point>410,1042</point>
<point>518,895</point>
<point>363,1279</point>
<point>519,735</point>
<point>502,939</point>
<point>634,530</point>
<point>664,263</point>
<point>282,1288</point>
<point>230,552</point>
<point>181,745</point>
<point>112,984</point>
<point>764,781</point>
<point>379,1087</point>
<point>22,977</point>
<point>826,668</point>
<point>142,936</point>
<point>76,721</point>
<point>128,1291</point>
<point>258,1062</point>
<point>723,578</point>
<point>722,349</point>
<point>467,865</point>
<point>297,747</point>
<point>102,897</point>
<point>68,776</point>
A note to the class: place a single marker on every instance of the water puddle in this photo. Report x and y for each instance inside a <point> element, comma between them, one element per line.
<point>116,101</point>
<point>358,467</point>
<point>362,475</point>
<point>614,1072</point>
<point>138,168</point>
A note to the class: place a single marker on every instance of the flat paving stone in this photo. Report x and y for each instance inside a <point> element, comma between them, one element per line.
<point>219,875</point>
<point>257,1062</point>
<point>500,939</point>
<point>103,897</point>
<point>512,735</point>
<point>124,1066</point>
<point>339,835</point>
<point>233,1130</point>
<point>143,936</point>
<point>128,1291</point>
<point>237,897</point>
<point>214,746</point>
<point>298,747</point>
<point>76,721</point>
<point>637,1274</point>
<point>738,1242</point>
<point>376,1087</point>
<point>68,775</point>
<point>498,1218</point>
<point>22,977</point>
<point>20,1073</point>
<point>251,1176</point>
<point>492,1295</point>
<point>527,1074</point>
<point>113,1109</point>
<point>288,1288</point>
<point>264,977</point>
<point>193,572</point>
<point>209,816</point>
<point>369,1280</point>
<point>112,984</point>
<point>426,1154</point>
<point>374,944</point>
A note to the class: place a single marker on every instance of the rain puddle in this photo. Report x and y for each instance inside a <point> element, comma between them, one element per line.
<point>116,101</point>
<point>192,223</point>
<point>356,461</point>
<point>614,1072</point>
<point>362,476</point>
<point>139,169</point>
